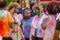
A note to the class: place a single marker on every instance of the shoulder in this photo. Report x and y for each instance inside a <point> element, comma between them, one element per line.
<point>7,12</point>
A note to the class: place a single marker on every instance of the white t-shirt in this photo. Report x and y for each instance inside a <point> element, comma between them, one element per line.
<point>37,21</point>
<point>18,18</point>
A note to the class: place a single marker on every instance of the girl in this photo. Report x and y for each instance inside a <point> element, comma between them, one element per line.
<point>50,22</point>
<point>16,32</point>
<point>26,23</point>
<point>5,20</point>
<point>37,33</point>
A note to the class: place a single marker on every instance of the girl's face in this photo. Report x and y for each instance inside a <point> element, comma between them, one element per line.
<point>28,13</point>
<point>12,10</point>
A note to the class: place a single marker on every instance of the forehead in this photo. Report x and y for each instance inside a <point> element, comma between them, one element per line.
<point>27,11</point>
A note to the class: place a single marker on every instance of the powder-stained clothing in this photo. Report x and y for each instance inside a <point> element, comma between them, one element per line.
<point>38,31</point>
<point>5,18</point>
<point>50,24</point>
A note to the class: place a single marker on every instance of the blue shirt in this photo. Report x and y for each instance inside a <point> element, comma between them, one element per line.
<point>26,24</point>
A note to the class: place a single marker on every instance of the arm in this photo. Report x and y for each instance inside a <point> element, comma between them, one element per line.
<point>31,33</point>
<point>22,35</point>
<point>10,19</point>
<point>21,31</point>
<point>43,25</point>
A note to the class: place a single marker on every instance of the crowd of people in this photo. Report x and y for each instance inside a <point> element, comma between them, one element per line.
<point>35,23</point>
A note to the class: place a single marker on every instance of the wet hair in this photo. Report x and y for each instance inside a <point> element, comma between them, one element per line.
<point>12,4</point>
<point>32,4</point>
<point>2,4</point>
<point>53,8</point>
<point>31,7</point>
<point>37,8</point>
<point>24,11</point>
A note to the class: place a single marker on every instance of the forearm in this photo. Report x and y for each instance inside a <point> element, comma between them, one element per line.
<point>21,32</point>
<point>31,33</point>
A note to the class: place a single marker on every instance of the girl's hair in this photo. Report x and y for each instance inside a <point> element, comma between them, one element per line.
<point>53,8</point>
<point>2,4</point>
<point>12,4</point>
<point>32,4</point>
<point>24,11</point>
<point>31,7</point>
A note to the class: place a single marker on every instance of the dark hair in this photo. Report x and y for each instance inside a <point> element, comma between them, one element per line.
<point>24,11</point>
<point>2,4</point>
<point>53,8</point>
<point>31,7</point>
<point>59,7</point>
<point>32,4</point>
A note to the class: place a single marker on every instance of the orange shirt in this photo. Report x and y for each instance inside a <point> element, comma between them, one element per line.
<point>7,19</point>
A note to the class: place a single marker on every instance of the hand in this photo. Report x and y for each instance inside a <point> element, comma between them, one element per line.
<point>22,37</point>
<point>30,37</point>
<point>43,27</point>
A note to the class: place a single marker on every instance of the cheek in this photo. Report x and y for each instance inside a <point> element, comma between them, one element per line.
<point>29,14</point>
<point>12,10</point>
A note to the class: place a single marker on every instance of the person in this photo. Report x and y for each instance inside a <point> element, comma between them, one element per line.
<point>45,11</point>
<point>6,20</point>
<point>57,29</point>
<point>26,23</point>
<point>32,4</point>
<point>50,20</point>
<point>37,33</point>
<point>16,32</point>
<point>35,9</point>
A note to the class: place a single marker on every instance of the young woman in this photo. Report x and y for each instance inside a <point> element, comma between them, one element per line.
<point>37,33</point>
<point>50,22</point>
<point>5,20</point>
<point>26,23</point>
<point>16,32</point>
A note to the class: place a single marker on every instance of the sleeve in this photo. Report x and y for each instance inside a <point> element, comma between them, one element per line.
<point>34,19</point>
<point>34,22</point>
<point>10,18</point>
<point>44,21</point>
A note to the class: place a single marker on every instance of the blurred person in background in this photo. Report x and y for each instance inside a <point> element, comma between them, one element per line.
<point>16,32</point>
<point>50,20</point>
<point>26,23</point>
<point>37,33</point>
<point>35,9</point>
<point>6,20</point>
<point>31,7</point>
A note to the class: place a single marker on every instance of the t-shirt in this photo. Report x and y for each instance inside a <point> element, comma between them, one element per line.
<point>37,21</point>
<point>50,27</point>
<point>17,20</point>
<point>7,19</point>
<point>26,25</point>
